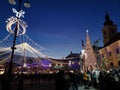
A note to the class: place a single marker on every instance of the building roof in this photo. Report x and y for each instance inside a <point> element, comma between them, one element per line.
<point>115,38</point>
<point>71,55</point>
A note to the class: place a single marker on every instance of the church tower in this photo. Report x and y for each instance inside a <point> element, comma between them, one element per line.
<point>109,29</point>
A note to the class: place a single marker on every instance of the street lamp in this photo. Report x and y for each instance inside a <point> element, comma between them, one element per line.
<point>16,20</point>
<point>19,24</point>
<point>26,4</point>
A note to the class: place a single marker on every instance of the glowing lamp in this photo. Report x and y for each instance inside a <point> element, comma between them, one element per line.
<point>27,4</point>
<point>12,2</point>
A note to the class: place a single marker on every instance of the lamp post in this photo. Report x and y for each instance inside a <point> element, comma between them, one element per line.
<point>18,22</point>
<point>19,14</point>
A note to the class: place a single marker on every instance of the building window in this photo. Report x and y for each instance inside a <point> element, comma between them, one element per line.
<point>119,63</point>
<point>111,64</point>
<point>102,55</point>
<point>117,51</point>
<point>109,53</point>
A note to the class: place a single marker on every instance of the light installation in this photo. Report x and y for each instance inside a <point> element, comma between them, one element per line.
<point>21,25</point>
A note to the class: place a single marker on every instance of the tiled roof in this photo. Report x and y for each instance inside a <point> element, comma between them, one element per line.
<point>113,39</point>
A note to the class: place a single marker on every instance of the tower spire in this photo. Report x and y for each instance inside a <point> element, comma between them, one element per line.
<point>107,19</point>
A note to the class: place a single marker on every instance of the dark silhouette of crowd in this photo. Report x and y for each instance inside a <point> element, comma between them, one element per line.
<point>99,79</point>
<point>109,80</point>
<point>64,80</point>
<point>61,82</point>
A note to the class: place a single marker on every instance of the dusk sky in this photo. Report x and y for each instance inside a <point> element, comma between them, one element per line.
<point>59,25</point>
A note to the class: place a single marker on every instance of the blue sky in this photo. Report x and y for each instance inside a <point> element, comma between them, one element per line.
<point>59,25</point>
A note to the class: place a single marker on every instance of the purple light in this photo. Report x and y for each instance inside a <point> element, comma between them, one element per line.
<point>46,63</point>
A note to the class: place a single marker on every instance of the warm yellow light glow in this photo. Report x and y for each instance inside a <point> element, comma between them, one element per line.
<point>61,64</point>
<point>72,62</point>
<point>2,71</point>
<point>12,2</point>
<point>25,45</point>
<point>56,65</point>
<point>79,63</point>
<point>27,4</point>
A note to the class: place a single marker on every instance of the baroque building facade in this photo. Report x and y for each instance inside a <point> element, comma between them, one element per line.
<point>110,52</point>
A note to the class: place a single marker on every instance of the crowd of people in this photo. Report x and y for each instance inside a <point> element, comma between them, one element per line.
<point>101,80</point>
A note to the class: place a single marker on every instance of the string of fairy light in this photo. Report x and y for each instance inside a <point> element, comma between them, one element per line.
<point>24,45</point>
<point>31,47</point>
